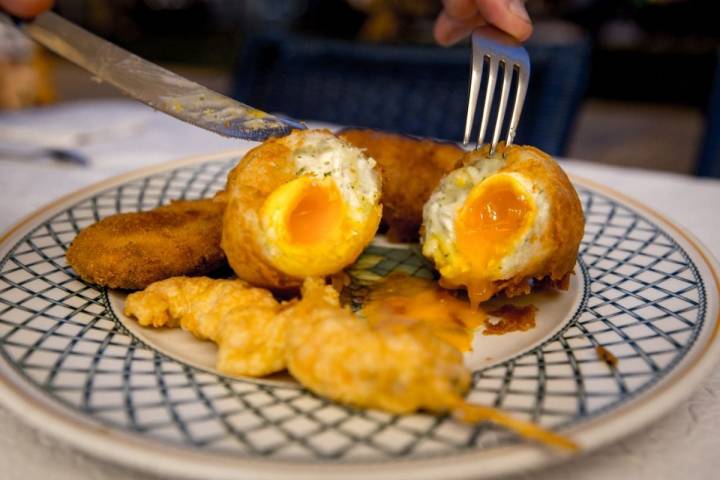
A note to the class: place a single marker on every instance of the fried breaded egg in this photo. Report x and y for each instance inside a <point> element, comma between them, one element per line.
<point>300,206</point>
<point>496,224</point>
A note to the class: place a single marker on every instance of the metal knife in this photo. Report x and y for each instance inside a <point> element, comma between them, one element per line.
<point>153,85</point>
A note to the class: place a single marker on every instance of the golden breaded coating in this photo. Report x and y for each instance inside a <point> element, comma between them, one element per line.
<point>528,230</point>
<point>396,365</point>
<point>302,205</point>
<point>565,229</point>
<point>243,321</point>
<point>411,169</point>
<point>133,250</point>
<point>258,174</point>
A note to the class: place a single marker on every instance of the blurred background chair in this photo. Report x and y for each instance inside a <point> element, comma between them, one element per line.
<point>406,89</point>
<point>709,158</point>
<point>635,111</point>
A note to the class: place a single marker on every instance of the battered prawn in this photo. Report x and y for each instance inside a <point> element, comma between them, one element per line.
<point>396,365</point>
<point>243,321</point>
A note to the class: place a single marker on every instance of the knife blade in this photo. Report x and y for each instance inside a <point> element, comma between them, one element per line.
<point>153,85</point>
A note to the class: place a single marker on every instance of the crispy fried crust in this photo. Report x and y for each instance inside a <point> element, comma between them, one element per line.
<point>133,250</point>
<point>259,173</point>
<point>243,321</point>
<point>397,365</point>
<point>411,169</point>
<point>565,227</point>
<point>250,183</point>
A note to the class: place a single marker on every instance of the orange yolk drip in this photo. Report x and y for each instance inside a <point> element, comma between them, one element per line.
<point>496,213</point>
<point>401,297</point>
<point>316,212</point>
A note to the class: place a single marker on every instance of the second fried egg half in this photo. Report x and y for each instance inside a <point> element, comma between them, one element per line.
<point>500,223</point>
<point>299,206</point>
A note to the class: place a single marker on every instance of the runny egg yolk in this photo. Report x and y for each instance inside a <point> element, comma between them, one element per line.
<point>402,297</point>
<point>496,214</point>
<point>317,211</point>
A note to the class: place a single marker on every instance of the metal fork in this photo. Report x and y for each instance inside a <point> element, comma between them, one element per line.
<point>496,48</point>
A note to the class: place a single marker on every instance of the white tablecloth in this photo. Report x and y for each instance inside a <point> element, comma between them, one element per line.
<point>118,136</point>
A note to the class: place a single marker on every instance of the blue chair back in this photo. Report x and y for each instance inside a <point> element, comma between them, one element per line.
<point>405,89</point>
<point>708,164</point>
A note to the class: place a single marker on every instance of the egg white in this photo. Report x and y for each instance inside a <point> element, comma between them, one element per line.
<point>322,156</point>
<point>440,212</point>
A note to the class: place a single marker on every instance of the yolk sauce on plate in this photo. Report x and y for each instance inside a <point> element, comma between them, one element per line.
<point>401,296</point>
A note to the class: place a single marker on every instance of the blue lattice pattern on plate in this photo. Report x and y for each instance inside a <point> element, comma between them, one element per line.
<point>644,302</point>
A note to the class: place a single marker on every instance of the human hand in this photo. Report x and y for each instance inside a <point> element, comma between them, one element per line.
<point>25,8</point>
<point>460,17</point>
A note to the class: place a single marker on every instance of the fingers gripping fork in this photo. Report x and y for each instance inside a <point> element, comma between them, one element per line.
<point>493,49</point>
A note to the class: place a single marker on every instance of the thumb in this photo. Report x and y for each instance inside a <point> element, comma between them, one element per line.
<point>510,16</point>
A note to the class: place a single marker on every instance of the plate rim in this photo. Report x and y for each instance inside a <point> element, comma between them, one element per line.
<point>134,451</point>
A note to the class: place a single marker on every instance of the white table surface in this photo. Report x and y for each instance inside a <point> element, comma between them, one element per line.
<point>119,136</point>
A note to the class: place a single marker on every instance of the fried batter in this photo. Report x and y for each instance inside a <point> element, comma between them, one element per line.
<point>502,223</point>
<point>306,204</point>
<point>243,321</point>
<point>396,365</point>
<point>411,169</point>
<point>133,250</point>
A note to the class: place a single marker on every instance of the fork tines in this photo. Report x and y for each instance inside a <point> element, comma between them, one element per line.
<point>497,49</point>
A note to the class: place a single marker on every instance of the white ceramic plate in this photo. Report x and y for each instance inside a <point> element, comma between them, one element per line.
<point>71,364</point>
